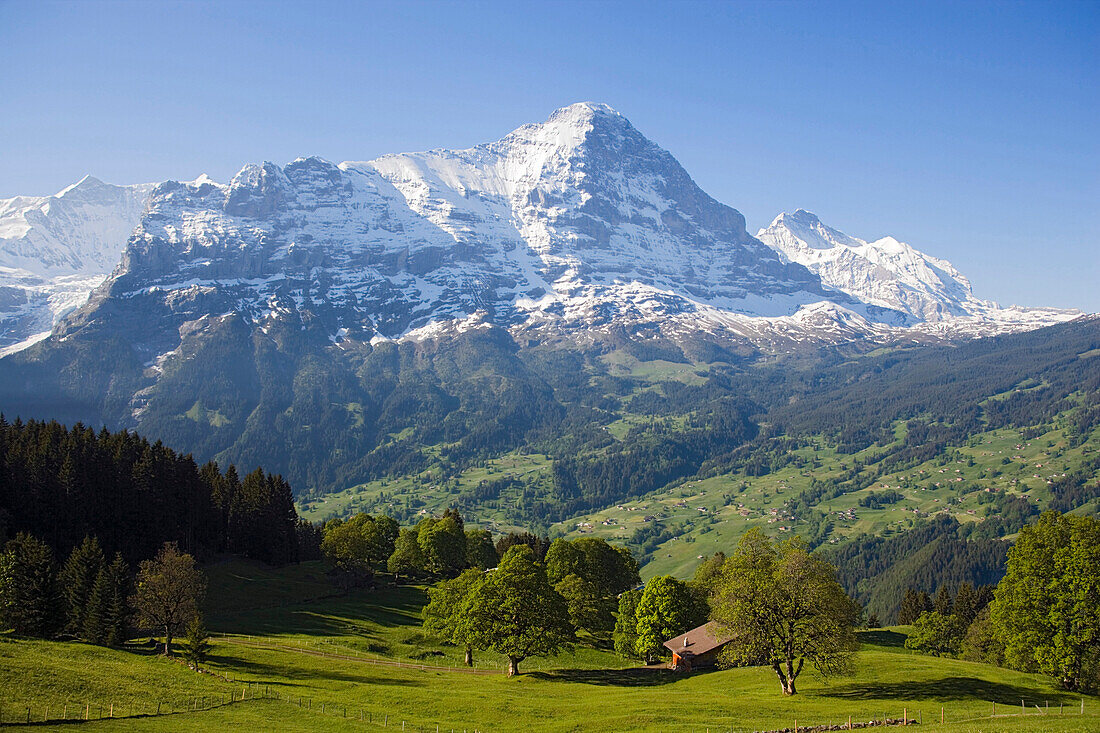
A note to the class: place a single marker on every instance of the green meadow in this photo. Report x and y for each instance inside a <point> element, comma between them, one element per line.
<point>290,653</point>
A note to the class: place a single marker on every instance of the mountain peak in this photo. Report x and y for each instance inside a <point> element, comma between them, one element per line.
<point>571,127</point>
<point>87,183</point>
<point>810,231</point>
<point>886,273</point>
<point>584,111</point>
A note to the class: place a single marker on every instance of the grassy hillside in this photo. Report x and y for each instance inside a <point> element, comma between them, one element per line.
<point>364,654</point>
<point>849,446</point>
<point>708,515</point>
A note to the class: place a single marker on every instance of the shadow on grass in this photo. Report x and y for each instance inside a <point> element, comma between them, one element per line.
<point>635,677</point>
<point>882,637</point>
<point>949,688</point>
<point>286,675</point>
<point>360,609</point>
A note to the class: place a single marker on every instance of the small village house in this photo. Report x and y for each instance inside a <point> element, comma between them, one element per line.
<point>697,648</point>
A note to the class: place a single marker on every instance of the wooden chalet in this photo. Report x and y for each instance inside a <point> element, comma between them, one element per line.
<point>697,648</point>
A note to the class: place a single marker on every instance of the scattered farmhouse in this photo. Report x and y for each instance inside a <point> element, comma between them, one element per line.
<point>697,648</point>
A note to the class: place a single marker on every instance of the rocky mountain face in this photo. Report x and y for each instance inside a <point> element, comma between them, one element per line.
<point>302,313</point>
<point>897,282</point>
<point>578,229</point>
<point>571,229</point>
<point>55,249</point>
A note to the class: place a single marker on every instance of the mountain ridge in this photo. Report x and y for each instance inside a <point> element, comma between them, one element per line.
<point>341,322</point>
<point>561,231</point>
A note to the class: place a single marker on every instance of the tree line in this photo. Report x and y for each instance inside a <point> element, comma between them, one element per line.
<point>98,600</point>
<point>64,484</point>
<point>777,605</point>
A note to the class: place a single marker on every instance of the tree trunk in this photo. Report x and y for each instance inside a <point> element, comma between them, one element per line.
<point>786,680</point>
<point>167,640</point>
<point>469,656</point>
<point>513,665</point>
<point>782,677</point>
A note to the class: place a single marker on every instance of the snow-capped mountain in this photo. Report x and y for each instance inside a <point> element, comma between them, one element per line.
<point>303,316</point>
<point>575,229</point>
<point>569,228</point>
<point>54,250</point>
<point>925,291</point>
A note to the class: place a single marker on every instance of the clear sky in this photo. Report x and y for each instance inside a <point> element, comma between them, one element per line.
<point>970,130</point>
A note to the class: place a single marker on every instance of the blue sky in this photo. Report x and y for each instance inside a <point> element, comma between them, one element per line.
<point>969,130</point>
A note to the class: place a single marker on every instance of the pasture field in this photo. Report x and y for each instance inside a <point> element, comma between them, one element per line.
<point>304,662</point>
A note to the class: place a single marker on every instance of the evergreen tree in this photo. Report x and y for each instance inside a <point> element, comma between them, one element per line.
<point>911,608</point>
<point>195,647</point>
<point>539,545</point>
<point>30,597</point>
<point>966,603</point>
<point>96,627</point>
<point>981,643</point>
<point>943,603</point>
<point>116,611</point>
<point>77,580</point>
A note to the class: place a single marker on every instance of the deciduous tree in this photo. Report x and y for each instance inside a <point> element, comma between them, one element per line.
<point>443,614</point>
<point>589,609</point>
<point>480,551</point>
<point>407,559</point>
<point>1047,607</point>
<point>516,612</point>
<point>784,607</point>
<point>938,634</point>
<point>168,591</point>
<point>442,545</point>
<point>666,609</point>
<point>626,624</point>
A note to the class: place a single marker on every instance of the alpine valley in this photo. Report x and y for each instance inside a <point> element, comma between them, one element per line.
<point>560,330</point>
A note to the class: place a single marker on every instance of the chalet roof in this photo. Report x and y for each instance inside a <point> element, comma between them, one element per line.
<point>699,640</point>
